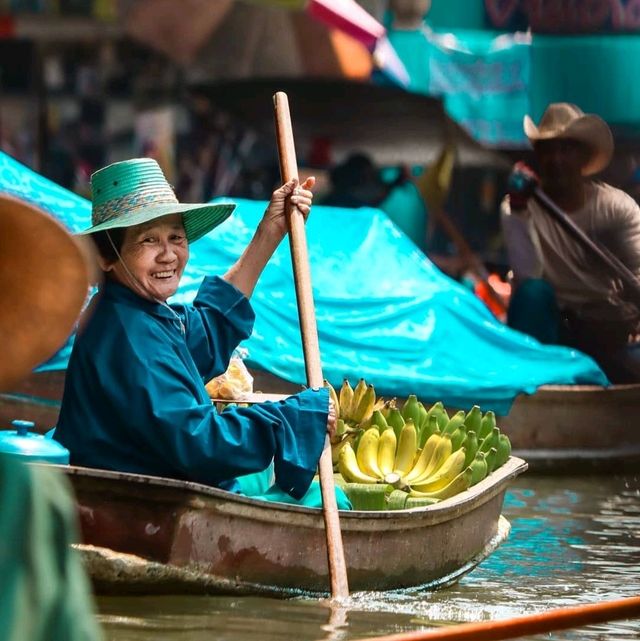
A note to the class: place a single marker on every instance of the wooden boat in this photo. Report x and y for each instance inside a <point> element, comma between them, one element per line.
<point>145,534</point>
<point>574,428</point>
<point>558,429</point>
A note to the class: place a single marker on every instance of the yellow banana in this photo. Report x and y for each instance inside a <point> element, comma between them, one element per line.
<point>358,393</point>
<point>407,447</point>
<point>459,484</point>
<point>387,451</point>
<point>348,467</point>
<point>333,396</point>
<point>367,453</point>
<point>346,396</point>
<point>423,460</point>
<point>337,446</point>
<point>447,472</point>
<point>364,409</point>
<point>440,454</point>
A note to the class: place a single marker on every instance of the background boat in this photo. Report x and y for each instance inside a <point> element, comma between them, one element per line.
<point>560,428</point>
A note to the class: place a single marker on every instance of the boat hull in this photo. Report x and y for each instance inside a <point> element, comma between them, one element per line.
<point>257,546</point>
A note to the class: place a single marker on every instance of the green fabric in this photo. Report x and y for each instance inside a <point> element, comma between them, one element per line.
<point>258,486</point>
<point>45,592</point>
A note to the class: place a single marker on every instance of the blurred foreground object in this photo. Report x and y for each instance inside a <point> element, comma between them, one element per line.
<point>44,281</point>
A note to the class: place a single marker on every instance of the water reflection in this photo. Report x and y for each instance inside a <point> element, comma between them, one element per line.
<point>573,541</point>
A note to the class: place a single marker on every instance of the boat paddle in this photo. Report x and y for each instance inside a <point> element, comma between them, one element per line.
<point>558,619</point>
<point>606,256</point>
<point>310,344</point>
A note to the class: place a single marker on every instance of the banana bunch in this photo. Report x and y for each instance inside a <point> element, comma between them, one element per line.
<point>354,407</point>
<point>427,454</point>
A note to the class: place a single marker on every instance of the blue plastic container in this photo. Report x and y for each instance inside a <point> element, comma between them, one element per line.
<point>30,447</point>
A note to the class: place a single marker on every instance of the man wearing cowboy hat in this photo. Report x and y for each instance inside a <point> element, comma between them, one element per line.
<point>562,295</point>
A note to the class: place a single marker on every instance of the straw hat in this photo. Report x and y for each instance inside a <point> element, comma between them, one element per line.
<point>564,120</point>
<point>135,191</point>
<point>44,280</point>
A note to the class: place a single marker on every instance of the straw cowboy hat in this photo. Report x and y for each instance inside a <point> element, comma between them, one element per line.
<point>564,120</point>
<point>44,281</point>
<point>135,191</point>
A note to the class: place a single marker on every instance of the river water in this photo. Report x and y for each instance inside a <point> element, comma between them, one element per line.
<point>574,540</point>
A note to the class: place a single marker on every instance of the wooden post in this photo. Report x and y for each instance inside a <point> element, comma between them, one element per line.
<point>310,344</point>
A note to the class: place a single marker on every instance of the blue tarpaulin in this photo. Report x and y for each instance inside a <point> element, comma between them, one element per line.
<point>384,311</point>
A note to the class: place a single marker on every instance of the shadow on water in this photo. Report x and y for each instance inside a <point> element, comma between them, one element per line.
<point>574,540</point>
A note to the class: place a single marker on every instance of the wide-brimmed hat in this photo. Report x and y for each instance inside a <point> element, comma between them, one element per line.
<point>564,120</point>
<point>44,281</point>
<point>136,191</point>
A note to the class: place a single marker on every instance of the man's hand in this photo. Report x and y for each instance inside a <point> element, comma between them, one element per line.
<point>521,184</point>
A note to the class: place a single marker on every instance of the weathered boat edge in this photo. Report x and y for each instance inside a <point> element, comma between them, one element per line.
<point>114,573</point>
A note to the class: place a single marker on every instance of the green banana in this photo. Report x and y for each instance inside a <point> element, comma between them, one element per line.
<point>410,410</point>
<point>406,450</point>
<point>454,422</point>
<point>447,472</point>
<point>367,453</point>
<point>430,428</point>
<point>459,484</point>
<point>491,460</point>
<point>345,399</point>
<point>473,419</point>
<point>396,421</point>
<point>471,445</point>
<point>378,419</point>
<point>490,441</point>
<point>387,451</point>
<point>436,407</point>
<point>486,425</point>
<point>387,407</point>
<point>457,438</point>
<point>479,468</point>
<point>348,467</point>
<point>441,453</point>
<point>504,450</point>
<point>443,419</point>
<point>423,416</point>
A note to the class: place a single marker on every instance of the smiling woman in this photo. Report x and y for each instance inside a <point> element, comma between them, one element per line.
<point>134,398</point>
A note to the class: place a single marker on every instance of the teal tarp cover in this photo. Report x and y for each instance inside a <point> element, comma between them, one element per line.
<point>384,311</point>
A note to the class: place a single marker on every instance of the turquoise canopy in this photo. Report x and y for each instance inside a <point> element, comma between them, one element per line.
<point>384,311</point>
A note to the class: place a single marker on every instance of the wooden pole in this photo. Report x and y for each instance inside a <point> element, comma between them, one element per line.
<point>559,619</point>
<point>310,344</point>
<point>616,266</point>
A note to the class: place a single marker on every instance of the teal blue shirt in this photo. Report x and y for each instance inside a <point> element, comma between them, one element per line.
<point>135,397</point>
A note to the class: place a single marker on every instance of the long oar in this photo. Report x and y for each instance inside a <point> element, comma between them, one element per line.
<point>616,266</point>
<point>559,619</point>
<point>310,345</point>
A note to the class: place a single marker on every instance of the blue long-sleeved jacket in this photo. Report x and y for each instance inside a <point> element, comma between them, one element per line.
<point>135,401</point>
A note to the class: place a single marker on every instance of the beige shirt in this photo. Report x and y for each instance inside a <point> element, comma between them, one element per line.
<point>539,247</point>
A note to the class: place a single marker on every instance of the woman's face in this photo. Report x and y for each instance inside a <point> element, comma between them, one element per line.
<point>155,254</point>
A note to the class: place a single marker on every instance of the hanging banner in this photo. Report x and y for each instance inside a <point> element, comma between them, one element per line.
<point>564,16</point>
<point>484,82</point>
